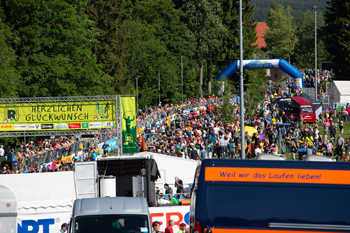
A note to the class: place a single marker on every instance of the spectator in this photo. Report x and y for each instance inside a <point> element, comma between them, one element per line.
<point>172,199</point>
<point>340,147</point>
<point>93,155</point>
<point>347,147</point>
<point>182,228</point>
<point>169,228</point>
<point>2,151</point>
<point>163,201</point>
<point>178,183</point>
<point>64,228</point>
<point>156,227</point>
<point>105,148</point>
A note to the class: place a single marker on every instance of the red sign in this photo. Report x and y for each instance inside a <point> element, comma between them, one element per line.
<point>74,125</point>
<point>8,205</point>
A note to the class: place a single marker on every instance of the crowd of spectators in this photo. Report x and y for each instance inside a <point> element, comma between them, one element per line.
<point>193,130</point>
<point>46,155</point>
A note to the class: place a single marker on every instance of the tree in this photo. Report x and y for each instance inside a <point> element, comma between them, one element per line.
<point>304,54</point>
<point>256,88</point>
<point>112,18</point>
<point>280,35</point>
<point>9,75</point>
<point>205,28</point>
<point>54,48</point>
<point>337,36</point>
<point>173,34</point>
<point>160,41</point>
<point>229,51</point>
<point>226,109</point>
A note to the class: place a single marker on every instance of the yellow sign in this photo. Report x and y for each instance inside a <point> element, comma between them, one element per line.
<point>67,159</point>
<point>128,124</point>
<point>57,115</point>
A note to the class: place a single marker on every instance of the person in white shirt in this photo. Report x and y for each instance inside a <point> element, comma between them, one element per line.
<point>2,151</point>
<point>222,146</point>
<point>257,151</point>
<point>162,200</point>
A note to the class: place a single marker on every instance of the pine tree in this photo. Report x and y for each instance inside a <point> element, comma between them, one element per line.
<point>280,36</point>
<point>206,30</point>
<point>230,48</point>
<point>337,36</point>
<point>304,54</point>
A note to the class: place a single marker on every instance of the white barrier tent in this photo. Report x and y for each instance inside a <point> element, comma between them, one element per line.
<point>44,200</point>
<point>341,92</point>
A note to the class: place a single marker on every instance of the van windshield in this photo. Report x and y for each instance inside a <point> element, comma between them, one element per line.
<point>112,223</point>
<point>307,110</point>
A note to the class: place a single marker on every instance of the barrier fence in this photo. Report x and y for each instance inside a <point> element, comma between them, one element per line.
<point>48,156</point>
<point>161,116</point>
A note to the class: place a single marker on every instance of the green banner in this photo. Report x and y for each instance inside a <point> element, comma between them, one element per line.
<point>128,125</point>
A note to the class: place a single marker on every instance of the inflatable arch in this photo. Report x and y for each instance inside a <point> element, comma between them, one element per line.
<point>265,64</point>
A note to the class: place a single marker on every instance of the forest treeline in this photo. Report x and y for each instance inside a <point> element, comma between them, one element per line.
<point>99,47</point>
<point>262,7</point>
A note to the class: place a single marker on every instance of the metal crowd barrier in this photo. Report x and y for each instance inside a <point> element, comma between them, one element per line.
<point>156,117</point>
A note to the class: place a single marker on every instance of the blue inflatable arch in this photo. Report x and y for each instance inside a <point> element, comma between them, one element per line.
<point>265,64</point>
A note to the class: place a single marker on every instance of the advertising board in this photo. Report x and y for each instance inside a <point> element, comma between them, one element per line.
<point>180,214</point>
<point>42,223</point>
<point>51,222</point>
<point>57,115</point>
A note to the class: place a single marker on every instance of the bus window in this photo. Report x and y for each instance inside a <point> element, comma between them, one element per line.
<point>307,110</point>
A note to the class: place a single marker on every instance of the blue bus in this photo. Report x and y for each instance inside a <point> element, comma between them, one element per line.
<point>251,196</point>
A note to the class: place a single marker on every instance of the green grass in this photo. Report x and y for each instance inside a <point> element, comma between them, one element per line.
<point>321,129</point>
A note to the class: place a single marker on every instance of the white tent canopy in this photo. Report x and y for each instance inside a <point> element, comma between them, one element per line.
<point>42,192</point>
<point>341,92</point>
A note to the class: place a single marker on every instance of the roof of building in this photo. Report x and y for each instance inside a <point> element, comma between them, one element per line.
<point>301,100</point>
<point>260,31</point>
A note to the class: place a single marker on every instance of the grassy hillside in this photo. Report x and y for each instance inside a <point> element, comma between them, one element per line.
<point>262,7</point>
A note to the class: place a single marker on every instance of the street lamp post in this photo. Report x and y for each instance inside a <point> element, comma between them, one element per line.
<point>241,81</point>
<point>315,7</point>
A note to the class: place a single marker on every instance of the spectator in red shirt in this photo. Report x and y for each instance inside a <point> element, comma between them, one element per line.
<point>169,228</point>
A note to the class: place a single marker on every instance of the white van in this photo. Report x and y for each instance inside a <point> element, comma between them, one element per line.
<point>110,214</point>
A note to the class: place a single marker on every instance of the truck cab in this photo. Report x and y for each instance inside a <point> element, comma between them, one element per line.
<point>110,214</point>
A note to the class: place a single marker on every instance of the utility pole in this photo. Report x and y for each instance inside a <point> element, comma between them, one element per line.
<point>159,85</point>
<point>315,7</point>
<point>137,94</point>
<point>182,81</point>
<point>241,79</point>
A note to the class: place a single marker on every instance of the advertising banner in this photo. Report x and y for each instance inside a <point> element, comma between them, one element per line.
<point>260,64</point>
<point>112,145</point>
<point>42,223</point>
<point>128,115</point>
<point>57,115</point>
<point>180,214</point>
<point>67,159</point>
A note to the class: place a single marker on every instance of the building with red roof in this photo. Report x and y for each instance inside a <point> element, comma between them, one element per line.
<point>260,31</point>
